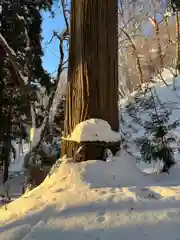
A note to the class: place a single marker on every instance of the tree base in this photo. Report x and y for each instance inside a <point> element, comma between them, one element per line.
<point>167,166</point>
<point>85,151</point>
<point>34,177</point>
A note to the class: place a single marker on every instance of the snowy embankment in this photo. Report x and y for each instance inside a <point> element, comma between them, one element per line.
<point>101,200</point>
<point>96,200</point>
<point>167,99</point>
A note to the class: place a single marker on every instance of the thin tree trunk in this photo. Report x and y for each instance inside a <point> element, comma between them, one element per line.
<point>177,44</point>
<point>7,143</point>
<point>93,66</point>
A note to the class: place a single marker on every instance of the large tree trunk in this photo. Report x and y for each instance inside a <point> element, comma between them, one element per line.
<point>93,66</point>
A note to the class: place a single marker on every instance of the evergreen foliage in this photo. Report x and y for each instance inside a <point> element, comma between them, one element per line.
<point>156,146</point>
<point>20,25</point>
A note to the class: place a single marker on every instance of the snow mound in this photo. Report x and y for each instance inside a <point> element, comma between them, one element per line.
<point>109,200</point>
<point>120,172</point>
<point>94,130</point>
<point>123,172</point>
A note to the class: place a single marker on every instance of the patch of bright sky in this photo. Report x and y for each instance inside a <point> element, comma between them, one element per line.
<point>51,50</point>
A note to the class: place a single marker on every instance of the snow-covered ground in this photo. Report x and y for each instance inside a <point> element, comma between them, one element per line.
<point>166,99</point>
<point>16,165</point>
<point>97,200</point>
<point>16,178</point>
<point>16,172</point>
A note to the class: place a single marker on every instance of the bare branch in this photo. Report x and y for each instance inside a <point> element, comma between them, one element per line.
<point>136,55</point>
<point>65,11</point>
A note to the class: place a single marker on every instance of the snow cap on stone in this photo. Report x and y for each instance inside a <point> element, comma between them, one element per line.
<point>93,130</point>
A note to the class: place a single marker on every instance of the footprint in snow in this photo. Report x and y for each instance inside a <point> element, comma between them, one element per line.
<point>145,193</point>
<point>101,217</point>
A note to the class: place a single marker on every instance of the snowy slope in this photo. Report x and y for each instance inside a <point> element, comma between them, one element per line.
<point>167,99</point>
<point>96,201</point>
<point>102,200</point>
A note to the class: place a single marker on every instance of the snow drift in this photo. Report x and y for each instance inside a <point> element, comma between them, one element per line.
<point>95,200</point>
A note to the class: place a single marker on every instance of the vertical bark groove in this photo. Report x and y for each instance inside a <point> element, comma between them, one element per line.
<point>93,66</point>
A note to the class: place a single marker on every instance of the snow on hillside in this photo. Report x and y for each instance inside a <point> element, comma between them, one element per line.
<point>98,200</point>
<point>167,99</point>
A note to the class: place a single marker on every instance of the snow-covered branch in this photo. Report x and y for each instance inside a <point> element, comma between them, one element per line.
<point>23,80</point>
